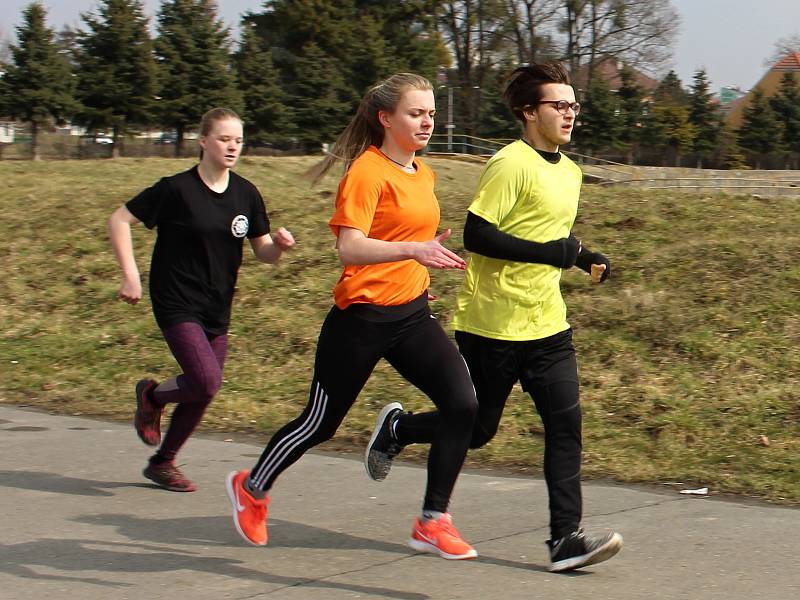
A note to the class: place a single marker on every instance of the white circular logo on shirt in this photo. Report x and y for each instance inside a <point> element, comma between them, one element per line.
<point>239,226</point>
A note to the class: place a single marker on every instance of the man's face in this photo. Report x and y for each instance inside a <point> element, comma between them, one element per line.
<point>545,127</point>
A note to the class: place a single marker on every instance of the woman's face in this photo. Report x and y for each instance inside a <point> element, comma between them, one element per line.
<point>410,126</point>
<point>223,144</point>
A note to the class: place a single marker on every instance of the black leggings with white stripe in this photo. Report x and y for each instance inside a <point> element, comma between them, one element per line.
<point>348,349</point>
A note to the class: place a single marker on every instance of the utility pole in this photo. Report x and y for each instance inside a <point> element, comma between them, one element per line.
<point>450,124</point>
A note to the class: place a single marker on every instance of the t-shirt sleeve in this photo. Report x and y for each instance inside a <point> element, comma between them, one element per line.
<point>497,193</point>
<point>356,201</point>
<point>147,205</point>
<point>259,220</point>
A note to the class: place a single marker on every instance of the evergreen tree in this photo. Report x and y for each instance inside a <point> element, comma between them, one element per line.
<point>705,117</point>
<point>760,132</point>
<point>267,118</point>
<point>495,120</point>
<point>667,125</point>
<point>361,41</point>
<point>631,108</point>
<point>38,84</point>
<point>410,34</point>
<point>731,154</point>
<point>786,106</point>
<point>194,69</point>
<point>319,112</point>
<point>600,119</point>
<point>68,42</point>
<point>668,128</point>
<point>670,90</point>
<point>116,76</point>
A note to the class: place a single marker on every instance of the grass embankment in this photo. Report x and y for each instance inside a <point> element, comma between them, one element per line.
<point>687,353</point>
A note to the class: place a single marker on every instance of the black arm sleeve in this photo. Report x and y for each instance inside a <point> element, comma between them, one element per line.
<point>587,258</point>
<point>482,237</point>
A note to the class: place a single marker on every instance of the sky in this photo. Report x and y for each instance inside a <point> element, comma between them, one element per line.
<point>731,39</point>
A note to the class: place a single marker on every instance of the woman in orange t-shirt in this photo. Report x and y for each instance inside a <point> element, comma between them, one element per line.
<point>385,222</point>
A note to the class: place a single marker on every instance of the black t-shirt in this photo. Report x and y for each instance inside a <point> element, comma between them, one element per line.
<point>198,249</point>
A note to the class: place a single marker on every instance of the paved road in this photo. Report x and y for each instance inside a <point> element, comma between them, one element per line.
<point>79,521</point>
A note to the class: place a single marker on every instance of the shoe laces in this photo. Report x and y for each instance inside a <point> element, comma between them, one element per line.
<point>393,448</point>
<point>260,510</point>
<point>445,525</point>
<point>174,473</point>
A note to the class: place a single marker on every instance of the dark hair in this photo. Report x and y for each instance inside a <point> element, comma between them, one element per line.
<point>364,129</point>
<point>524,86</point>
<point>212,116</point>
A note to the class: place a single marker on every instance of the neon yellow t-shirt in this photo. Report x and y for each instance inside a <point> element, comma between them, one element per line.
<point>527,197</point>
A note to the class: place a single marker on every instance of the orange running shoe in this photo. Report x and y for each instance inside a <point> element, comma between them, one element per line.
<point>440,537</point>
<point>249,513</point>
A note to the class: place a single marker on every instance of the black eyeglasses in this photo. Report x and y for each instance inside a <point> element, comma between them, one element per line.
<point>563,106</point>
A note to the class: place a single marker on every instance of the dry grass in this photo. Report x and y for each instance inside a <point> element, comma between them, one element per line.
<point>687,353</point>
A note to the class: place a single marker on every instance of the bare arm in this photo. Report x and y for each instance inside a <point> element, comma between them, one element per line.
<point>269,248</point>
<point>355,248</point>
<point>119,230</point>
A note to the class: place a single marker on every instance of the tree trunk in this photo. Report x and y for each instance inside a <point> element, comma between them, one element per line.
<point>35,150</point>
<point>115,145</point>
<point>179,141</point>
<point>571,27</point>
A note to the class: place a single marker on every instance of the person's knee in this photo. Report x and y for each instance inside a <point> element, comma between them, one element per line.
<point>480,439</point>
<point>567,424</point>
<point>483,432</point>
<point>468,407</point>
<point>206,386</point>
<point>324,433</point>
<point>464,412</point>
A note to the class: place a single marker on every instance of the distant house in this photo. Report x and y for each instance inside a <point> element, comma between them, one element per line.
<point>6,132</point>
<point>609,70</point>
<point>769,84</point>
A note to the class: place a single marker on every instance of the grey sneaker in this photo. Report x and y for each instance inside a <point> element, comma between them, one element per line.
<point>580,550</point>
<point>382,447</point>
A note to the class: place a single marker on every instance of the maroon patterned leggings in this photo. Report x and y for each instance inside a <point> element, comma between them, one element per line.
<point>201,356</point>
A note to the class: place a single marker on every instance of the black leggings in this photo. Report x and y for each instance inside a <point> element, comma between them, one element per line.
<point>548,371</point>
<point>348,349</point>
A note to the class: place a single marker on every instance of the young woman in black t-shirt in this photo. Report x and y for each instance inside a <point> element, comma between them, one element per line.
<point>202,216</point>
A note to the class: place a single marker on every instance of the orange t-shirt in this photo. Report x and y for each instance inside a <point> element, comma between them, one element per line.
<point>385,203</point>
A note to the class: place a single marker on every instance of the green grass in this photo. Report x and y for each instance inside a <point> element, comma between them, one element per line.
<point>687,354</point>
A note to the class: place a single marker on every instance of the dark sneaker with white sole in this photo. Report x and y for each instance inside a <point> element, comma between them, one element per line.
<point>580,550</point>
<point>382,446</point>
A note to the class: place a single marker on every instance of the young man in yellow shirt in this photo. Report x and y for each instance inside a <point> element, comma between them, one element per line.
<point>510,318</point>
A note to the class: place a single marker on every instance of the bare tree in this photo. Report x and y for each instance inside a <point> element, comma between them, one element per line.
<point>472,29</point>
<point>530,29</point>
<point>638,32</point>
<point>784,46</point>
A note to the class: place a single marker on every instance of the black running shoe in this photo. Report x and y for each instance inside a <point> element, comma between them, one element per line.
<point>579,550</point>
<point>382,447</point>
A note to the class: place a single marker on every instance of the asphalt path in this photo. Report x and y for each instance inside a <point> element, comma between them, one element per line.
<point>79,521</point>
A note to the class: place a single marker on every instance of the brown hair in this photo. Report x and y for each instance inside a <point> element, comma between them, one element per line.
<point>364,129</point>
<point>212,116</point>
<point>525,85</point>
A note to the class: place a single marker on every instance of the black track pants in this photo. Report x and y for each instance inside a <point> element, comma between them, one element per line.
<point>548,371</point>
